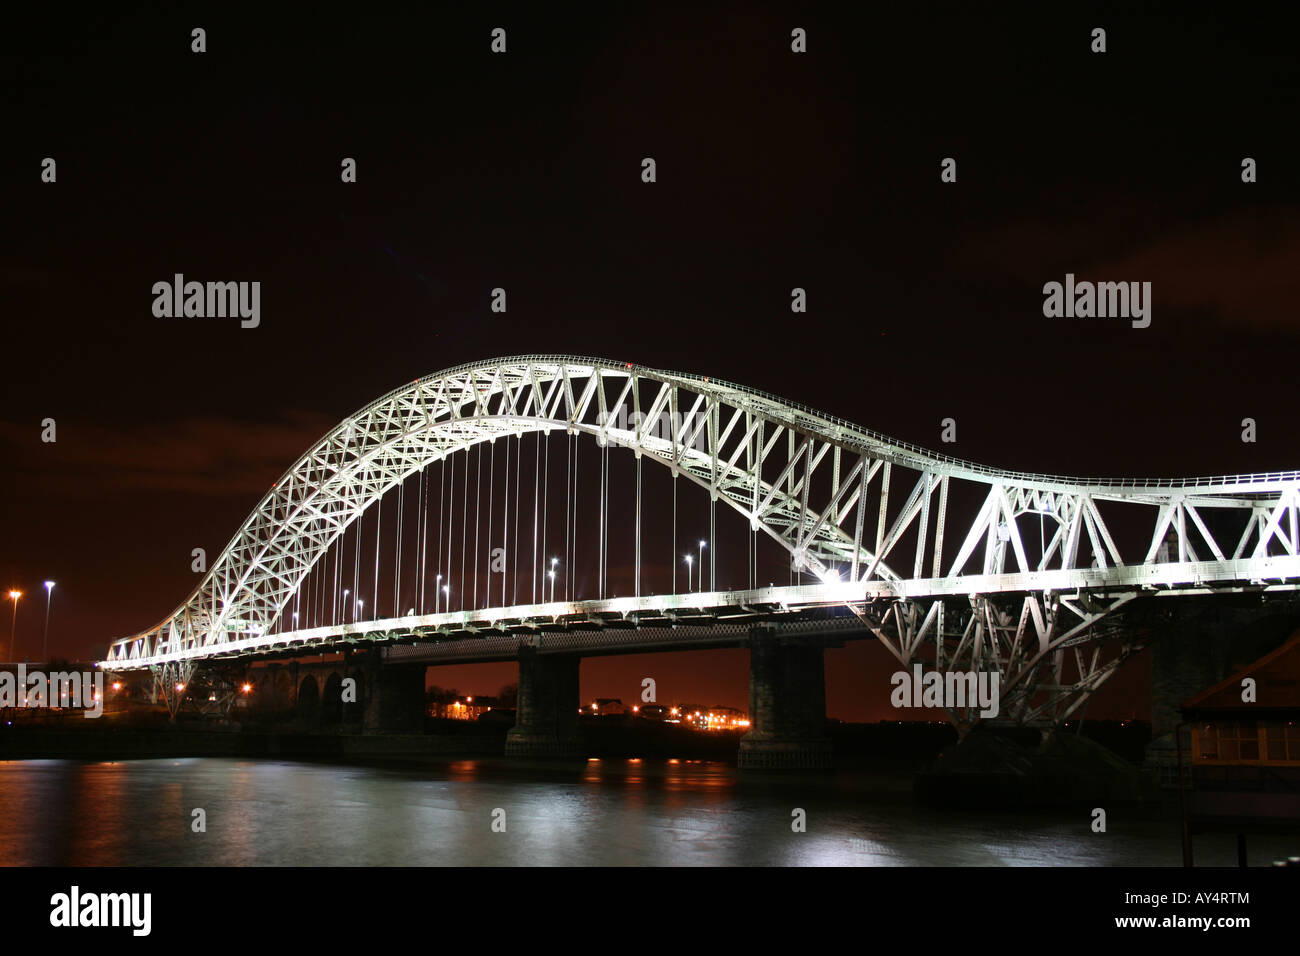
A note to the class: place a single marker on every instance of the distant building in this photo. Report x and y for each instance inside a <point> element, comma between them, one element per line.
<point>715,717</point>
<point>1245,754</point>
<point>1230,732</point>
<point>460,706</point>
<point>606,707</point>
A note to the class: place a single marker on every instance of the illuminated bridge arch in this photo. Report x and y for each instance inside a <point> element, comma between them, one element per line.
<point>818,485</point>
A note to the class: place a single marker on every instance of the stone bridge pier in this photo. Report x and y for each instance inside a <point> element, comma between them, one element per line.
<point>394,699</point>
<point>546,716</point>
<point>787,704</point>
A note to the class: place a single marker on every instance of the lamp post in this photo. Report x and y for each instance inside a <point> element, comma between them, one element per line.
<point>344,609</point>
<point>551,574</point>
<point>446,590</point>
<point>689,559</point>
<point>701,566</point>
<point>437,594</point>
<point>45,642</point>
<point>13,596</point>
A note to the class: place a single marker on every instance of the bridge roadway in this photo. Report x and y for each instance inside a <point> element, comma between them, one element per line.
<point>604,624</point>
<point>739,609</point>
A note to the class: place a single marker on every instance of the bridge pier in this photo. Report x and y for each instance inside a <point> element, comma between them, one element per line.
<point>546,717</point>
<point>787,704</point>
<point>394,698</point>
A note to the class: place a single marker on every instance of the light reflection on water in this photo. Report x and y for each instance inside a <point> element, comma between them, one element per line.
<point>601,812</point>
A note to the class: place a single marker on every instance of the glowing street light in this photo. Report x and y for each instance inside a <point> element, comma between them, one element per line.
<point>13,596</point>
<point>45,642</point>
<point>437,594</point>
<point>551,574</point>
<point>344,609</point>
<point>701,566</point>
<point>689,559</point>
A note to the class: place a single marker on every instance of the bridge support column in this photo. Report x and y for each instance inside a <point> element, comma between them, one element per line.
<point>546,717</point>
<point>787,704</point>
<point>394,700</point>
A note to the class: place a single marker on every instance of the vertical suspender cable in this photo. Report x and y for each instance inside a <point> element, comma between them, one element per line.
<point>379,527</point>
<point>334,603</point>
<point>321,571</point>
<point>571,576</point>
<point>422,549</point>
<point>713,543</point>
<point>464,528</point>
<point>397,572</point>
<point>609,480</point>
<point>546,507</point>
<point>568,480</point>
<point>437,555</point>
<point>638,524</point>
<point>505,523</point>
<point>673,563</point>
<point>600,533</point>
<point>451,525</point>
<point>478,500</point>
<point>514,551</point>
<point>537,484</point>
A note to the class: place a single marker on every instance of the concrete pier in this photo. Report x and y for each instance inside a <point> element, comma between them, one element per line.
<point>787,704</point>
<point>546,718</point>
<point>394,697</point>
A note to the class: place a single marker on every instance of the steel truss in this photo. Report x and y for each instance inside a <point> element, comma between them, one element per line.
<point>1049,651</point>
<point>875,519</point>
<point>172,680</point>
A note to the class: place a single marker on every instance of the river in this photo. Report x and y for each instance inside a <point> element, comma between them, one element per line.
<point>497,812</point>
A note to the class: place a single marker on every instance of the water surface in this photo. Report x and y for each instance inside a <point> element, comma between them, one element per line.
<point>606,812</point>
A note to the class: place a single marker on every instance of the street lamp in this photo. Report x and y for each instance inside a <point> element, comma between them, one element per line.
<point>437,594</point>
<point>361,606</point>
<point>689,559</point>
<point>45,642</point>
<point>446,590</point>
<point>551,573</point>
<point>344,609</point>
<point>701,566</point>
<point>13,596</point>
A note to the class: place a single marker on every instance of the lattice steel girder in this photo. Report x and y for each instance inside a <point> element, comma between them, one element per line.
<point>800,492</point>
<point>1025,639</point>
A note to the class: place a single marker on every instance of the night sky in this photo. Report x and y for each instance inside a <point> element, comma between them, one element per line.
<point>775,170</point>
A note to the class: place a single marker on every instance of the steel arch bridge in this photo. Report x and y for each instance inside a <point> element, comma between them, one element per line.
<point>956,564</point>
